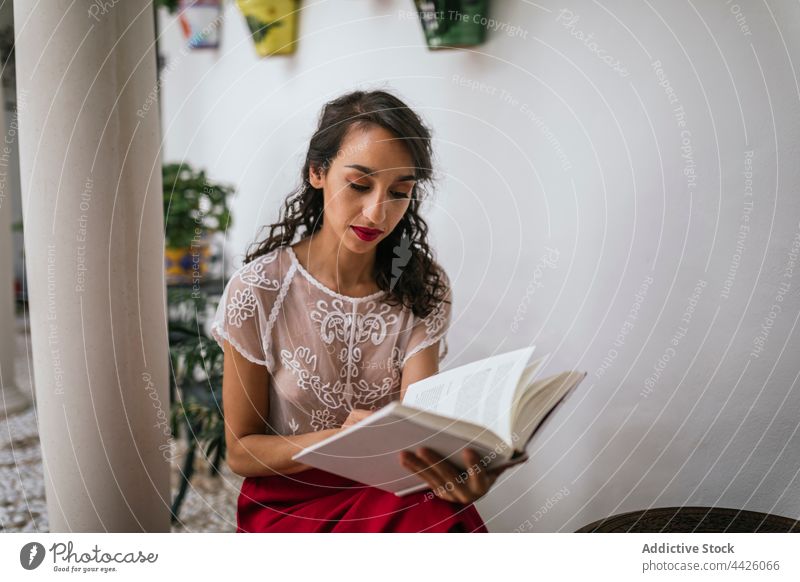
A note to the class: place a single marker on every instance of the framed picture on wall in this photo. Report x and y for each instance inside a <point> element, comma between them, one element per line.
<point>200,22</point>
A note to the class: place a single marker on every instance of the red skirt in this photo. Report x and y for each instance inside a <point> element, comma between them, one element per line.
<point>318,501</point>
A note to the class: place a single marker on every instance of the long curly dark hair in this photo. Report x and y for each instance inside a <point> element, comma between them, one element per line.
<point>404,264</point>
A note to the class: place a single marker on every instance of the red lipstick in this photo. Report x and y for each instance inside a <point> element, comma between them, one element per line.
<point>366,234</point>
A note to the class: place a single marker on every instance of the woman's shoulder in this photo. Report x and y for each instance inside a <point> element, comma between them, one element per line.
<point>442,295</point>
<point>443,288</point>
<point>264,272</point>
<point>443,276</point>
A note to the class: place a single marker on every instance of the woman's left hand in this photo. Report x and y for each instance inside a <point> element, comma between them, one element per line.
<point>447,480</point>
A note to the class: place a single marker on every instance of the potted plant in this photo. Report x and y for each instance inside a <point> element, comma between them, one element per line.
<point>194,208</point>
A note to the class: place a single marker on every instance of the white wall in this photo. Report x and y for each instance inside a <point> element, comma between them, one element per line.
<point>560,150</point>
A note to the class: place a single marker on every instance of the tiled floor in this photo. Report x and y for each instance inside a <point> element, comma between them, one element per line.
<point>209,506</point>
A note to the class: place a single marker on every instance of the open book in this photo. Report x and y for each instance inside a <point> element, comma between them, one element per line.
<point>494,405</point>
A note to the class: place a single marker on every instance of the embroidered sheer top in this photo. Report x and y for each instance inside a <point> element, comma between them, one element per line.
<point>326,353</point>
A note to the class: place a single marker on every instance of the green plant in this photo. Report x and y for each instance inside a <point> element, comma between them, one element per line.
<point>193,205</point>
<point>196,381</point>
<point>196,372</point>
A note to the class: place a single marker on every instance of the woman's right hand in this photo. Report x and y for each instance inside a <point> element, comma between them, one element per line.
<point>356,415</point>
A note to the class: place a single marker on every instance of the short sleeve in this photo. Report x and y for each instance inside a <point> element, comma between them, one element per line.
<point>242,315</point>
<point>432,328</point>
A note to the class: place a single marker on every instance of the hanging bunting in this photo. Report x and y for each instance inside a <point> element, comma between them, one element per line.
<point>453,23</point>
<point>272,24</point>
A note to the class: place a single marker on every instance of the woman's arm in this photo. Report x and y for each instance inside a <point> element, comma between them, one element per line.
<point>251,453</point>
<point>421,365</point>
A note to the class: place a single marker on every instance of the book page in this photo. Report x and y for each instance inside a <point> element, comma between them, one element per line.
<point>481,392</point>
<point>541,402</point>
<point>526,381</point>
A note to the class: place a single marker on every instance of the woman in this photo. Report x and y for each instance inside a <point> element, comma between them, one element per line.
<point>321,333</point>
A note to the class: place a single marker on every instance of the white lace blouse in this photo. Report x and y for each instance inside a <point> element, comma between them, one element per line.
<point>326,353</point>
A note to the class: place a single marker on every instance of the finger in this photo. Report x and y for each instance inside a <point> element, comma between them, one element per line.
<point>446,471</point>
<point>443,494</point>
<point>437,463</point>
<point>413,464</point>
<point>419,467</point>
<point>456,478</point>
<point>445,474</point>
<point>479,482</point>
<point>446,492</point>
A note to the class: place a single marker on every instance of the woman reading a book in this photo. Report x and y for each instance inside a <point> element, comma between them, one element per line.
<point>320,333</point>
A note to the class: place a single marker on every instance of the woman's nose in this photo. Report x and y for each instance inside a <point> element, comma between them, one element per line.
<point>375,209</point>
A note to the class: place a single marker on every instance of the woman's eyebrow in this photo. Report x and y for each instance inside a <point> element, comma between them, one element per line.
<point>366,170</point>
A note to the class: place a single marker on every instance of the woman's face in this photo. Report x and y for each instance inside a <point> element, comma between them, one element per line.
<point>367,188</point>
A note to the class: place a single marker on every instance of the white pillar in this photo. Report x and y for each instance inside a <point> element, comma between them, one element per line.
<point>90,166</point>
<point>11,400</point>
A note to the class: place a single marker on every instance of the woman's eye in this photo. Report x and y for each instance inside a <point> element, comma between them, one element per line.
<point>362,188</point>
